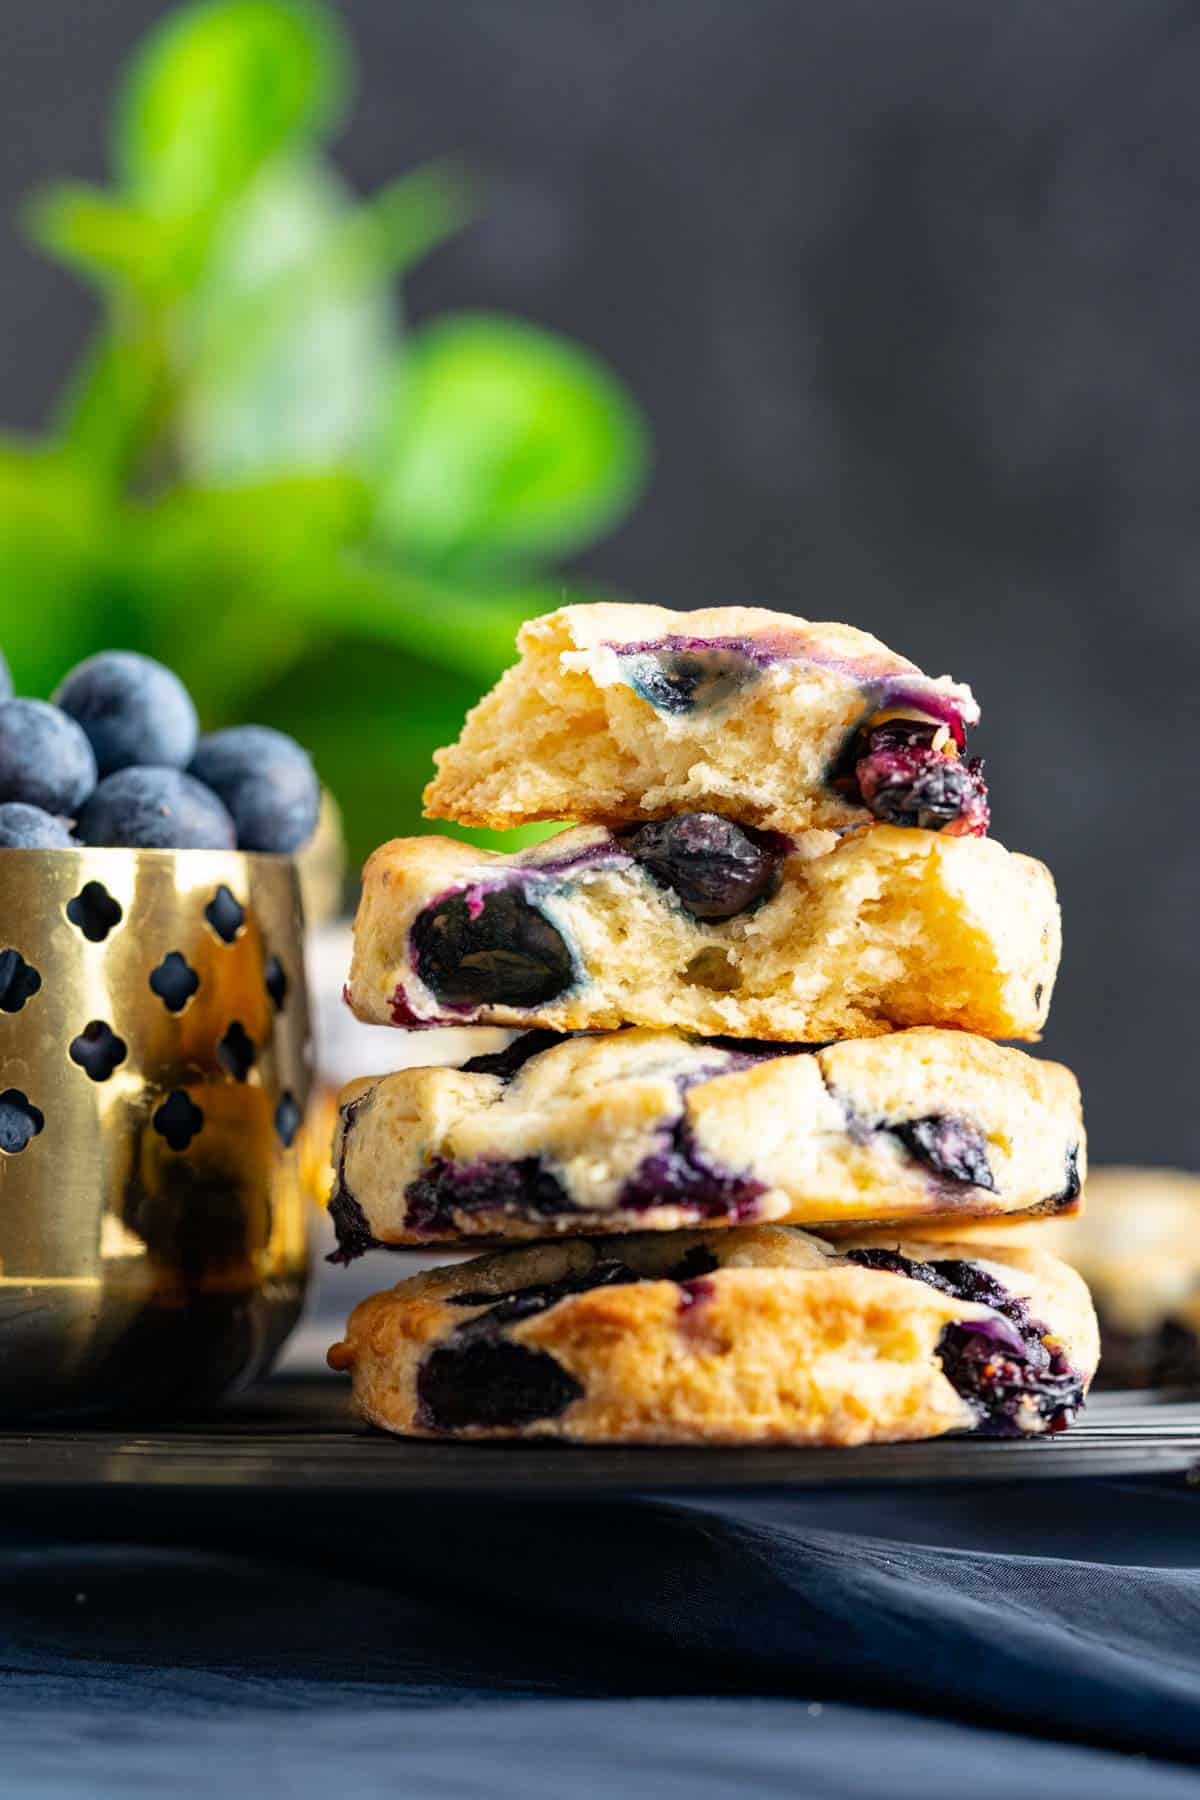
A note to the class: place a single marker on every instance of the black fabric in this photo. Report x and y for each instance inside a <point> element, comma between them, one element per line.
<point>1042,1639</point>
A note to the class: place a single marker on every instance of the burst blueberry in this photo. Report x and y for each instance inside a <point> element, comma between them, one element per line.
<point>1006,1367</point>
<point>25,827</point>
<point>135,712</point>
<point>45,759</point>
<point>267,783</point>
<point>899,774</point>
<point>155,809</point>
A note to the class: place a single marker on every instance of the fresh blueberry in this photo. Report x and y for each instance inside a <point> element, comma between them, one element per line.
<point>45,759</point>
<point>6,680</point>
<point>493,949</point>
<point>155,809</point>
<point>25,827</point>
<point>715,869</point>
<point>135,712</point>
<point>266,781</point>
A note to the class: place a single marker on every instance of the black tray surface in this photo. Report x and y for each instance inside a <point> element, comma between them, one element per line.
<point>296,1433</point>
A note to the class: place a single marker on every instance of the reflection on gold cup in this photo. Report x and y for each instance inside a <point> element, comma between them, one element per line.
<point>155,1066</point>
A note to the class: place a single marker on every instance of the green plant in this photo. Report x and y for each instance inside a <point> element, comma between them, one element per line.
<point>318,518</point>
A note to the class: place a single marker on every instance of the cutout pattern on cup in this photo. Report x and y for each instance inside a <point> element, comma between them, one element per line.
<point>94,911</point>
<point>287,1118</point>
<point>225,914</point>
<point>174,981</point>
<point>178,1119</point>
<point>276,982</point>
<point>235,1051</point>
<point>20,1121</point>
<point>98,1050</point>
<point>19,981</point>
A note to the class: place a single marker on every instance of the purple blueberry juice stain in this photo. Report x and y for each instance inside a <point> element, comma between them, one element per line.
<point>444,1190</point>
<point>683,675</point>
<point>677,1173</point>
<point>403,1015</point>
<point>716,668</point>
<point>1003,1367</point>
<point>949,1147</point>
<point>694,1293</point>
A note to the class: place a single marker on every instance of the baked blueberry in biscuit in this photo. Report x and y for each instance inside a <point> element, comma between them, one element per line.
<point>756,1335</point>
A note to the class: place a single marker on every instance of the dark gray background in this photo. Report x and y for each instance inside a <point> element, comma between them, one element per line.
<point>909,289</point>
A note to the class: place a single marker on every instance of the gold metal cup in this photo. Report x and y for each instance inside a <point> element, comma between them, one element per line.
<point>155,1065</point>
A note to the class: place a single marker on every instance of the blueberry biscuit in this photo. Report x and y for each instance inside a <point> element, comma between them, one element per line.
<point>759,1335</point>
<point>707,926</point>
<point>650,1130</point>
<point>625,713</point>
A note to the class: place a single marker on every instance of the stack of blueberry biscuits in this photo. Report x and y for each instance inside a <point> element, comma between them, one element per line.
<point>758,983</point>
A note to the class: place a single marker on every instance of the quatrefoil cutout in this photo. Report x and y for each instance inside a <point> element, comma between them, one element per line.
<point>174,981</point>
<point>94,911</point>
<point>287,1118</point>
<point>225,914</point>
<point>19,981</point>
<point>178,1119</point>
<point>98,1050</point>
<point>235,1051</point>
<point>20,1121</point>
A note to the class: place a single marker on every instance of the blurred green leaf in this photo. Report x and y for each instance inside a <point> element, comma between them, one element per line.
<point>52,562</point>
<point>361,247</point>
<point>501,442</point>
<point>243,577</point>
<point>299,388</point>
<point>250,525</point>
<point>374,749</point>
<point>375,754</point>
<point>211,566</point>
<point>109,240</point>
<point>217,89</point>
<point>250,476</point>
<point>468,630</point>
<point>116,399</point>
